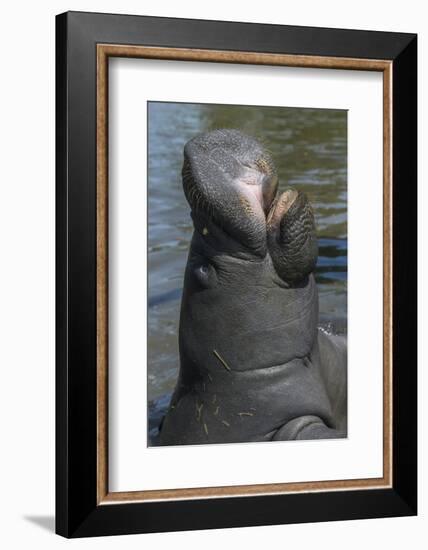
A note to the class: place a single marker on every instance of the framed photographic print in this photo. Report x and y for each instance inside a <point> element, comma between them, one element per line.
<point>236,274</point>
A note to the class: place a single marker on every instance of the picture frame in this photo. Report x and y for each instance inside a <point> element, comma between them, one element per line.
<point>84,44</point>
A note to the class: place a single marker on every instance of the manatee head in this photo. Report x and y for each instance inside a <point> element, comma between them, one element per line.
<point>230,183</point>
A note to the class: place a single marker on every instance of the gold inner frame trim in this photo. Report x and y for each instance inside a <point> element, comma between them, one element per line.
<point>104,51</point>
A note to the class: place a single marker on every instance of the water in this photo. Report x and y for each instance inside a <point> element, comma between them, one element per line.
<point>309,147</point>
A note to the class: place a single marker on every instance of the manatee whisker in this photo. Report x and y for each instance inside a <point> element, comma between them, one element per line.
<point>222,361</point>
<point>199,411</point>
<point>225,423</point>
<point>246,204</point>
<point>241,414</point>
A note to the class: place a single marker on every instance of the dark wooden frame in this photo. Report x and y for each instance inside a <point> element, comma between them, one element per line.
<point>84,507</point>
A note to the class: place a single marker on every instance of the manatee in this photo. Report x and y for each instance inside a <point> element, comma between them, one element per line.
<point>254,365</point>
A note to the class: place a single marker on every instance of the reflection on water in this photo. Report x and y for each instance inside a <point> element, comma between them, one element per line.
<point>309,147</point>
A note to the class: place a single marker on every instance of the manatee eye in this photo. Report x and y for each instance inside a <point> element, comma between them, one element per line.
<point>205,275</point>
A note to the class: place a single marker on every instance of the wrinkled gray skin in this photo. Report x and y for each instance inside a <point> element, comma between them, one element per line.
<point>254,366</point>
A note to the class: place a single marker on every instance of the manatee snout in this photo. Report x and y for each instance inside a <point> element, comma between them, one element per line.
<point>226,165</point>
<point>231,183</point>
